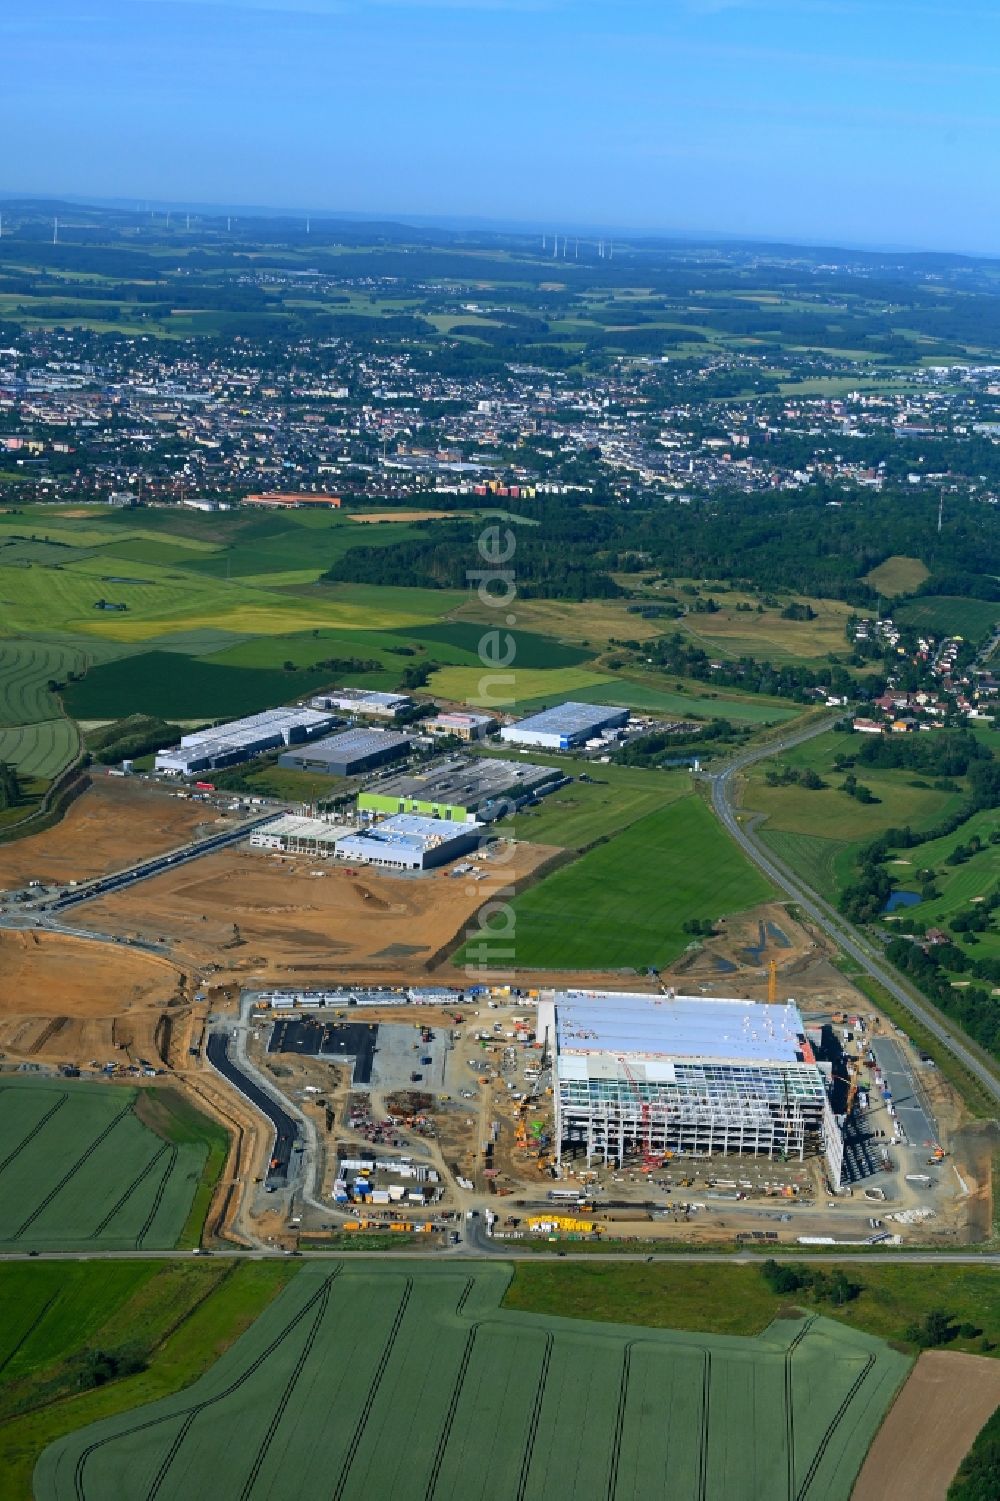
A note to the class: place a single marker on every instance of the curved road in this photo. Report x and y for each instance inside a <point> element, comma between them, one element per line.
<point>825,916</point>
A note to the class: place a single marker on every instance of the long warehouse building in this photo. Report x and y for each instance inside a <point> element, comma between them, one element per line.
<point>646,1075</point>
<point>240,739</point>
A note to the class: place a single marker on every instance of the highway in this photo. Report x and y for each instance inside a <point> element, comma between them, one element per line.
<point>825,916</point>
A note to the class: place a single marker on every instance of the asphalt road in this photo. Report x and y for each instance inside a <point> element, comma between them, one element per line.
<point>152,867</point>
<point>826,917</point>
<point>509,1252</point>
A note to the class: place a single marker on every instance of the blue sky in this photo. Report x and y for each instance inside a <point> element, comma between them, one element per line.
<point>849,121</point>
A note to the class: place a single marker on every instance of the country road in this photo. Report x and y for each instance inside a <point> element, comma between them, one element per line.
<point>508,1251</point>
<point>836,927</point>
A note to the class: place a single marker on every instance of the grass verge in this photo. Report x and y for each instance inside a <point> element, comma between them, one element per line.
<point>177,1319</point>
<point>725,1298</point>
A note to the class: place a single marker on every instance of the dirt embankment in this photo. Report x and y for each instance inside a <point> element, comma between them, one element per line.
<point>69,1000</point>
<point>930,1428</point>
<point>117,821</point>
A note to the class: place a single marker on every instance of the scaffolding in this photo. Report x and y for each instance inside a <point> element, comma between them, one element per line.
<point>766,1116</point>
<point>687,1076</point>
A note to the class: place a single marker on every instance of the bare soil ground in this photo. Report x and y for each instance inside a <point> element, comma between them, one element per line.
<point>115,822</point>
<point>64,1000</point>
<point>294,920</point>
<point>930,1428</point>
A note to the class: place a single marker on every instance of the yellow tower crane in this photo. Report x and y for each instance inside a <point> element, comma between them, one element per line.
<point>772,982</point>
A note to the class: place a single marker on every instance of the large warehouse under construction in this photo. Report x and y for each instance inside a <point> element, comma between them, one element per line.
<point>646,1075</point>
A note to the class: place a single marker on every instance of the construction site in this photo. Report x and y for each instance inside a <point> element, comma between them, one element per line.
<point>447,1105</point>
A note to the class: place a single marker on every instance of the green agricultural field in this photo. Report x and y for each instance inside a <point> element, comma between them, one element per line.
<point>949,615</point>
<point>699,703</point>
<point>528,689</point>
<point>613,797</point>
<point>295,548</point>
<point>26,667</point>
<point>520,687</point>
<point>812,856</point>
<point>897,575</point>
<point>525,648</point>
<point>412,1382</point>
<point>625,902</point>
<point>95,1166</point>
<point>40,751</point>
<point>173,686</point>
<point>165,1321</point>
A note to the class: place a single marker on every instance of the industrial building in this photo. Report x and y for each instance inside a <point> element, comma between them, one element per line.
<point>364,701</point>
<point>349,753</point>
<point>408,842</point>
<point>300,836</point>
<point>565,726</point>
<point>647,1075</point>
<point>228,744</point>
<point>461,788</point>
<point>463,726</point>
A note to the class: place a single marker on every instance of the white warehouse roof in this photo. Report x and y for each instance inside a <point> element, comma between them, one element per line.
<point>657,1028</point>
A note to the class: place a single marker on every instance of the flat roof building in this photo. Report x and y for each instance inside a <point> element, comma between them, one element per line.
<point>565,725</point>
<point>647,1075</point>
<point>462,726</point>
<point>461,788</point>
<point>364,701</point>
<point>408,842</point>
<point>300,836</point>
<point>228,744</point>
<point>348,753</point>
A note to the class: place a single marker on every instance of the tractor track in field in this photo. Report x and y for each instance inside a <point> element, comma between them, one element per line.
<point>190,1413</point>
<point>373,1390</point>
<point>536,1414</point>
<point>616,1441</point>
<point>36,1128</point>
<point>286,1395</point>
<point>154,1208</point>
<point>449,1418</point>
<point>130,1190</point>
<point>790,1405</point>
<point>832,1427</point>
<point>706,1407</point>
<point>71,1173</point>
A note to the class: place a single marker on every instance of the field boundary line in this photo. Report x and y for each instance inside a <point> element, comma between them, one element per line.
<point>16,1151</point>
<point>373,1388</point>
<point>72,1171</point>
